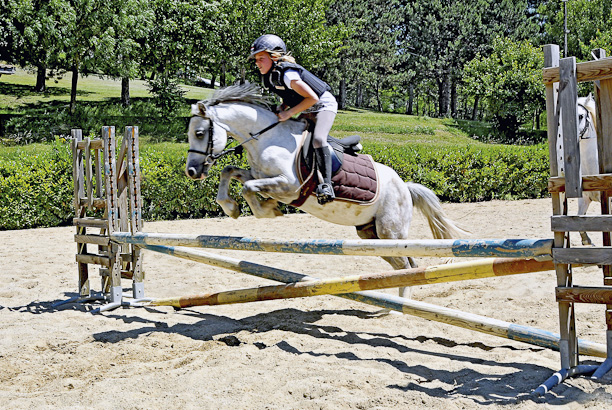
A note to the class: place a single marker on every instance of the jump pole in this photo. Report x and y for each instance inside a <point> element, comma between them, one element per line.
<point>499,248</point>
<point>484,268</point>
<point>483,324</point>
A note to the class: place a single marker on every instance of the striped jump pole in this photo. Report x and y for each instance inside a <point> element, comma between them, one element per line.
<point>484,268</point>
<point>480,248</point>
<point>483,324</point>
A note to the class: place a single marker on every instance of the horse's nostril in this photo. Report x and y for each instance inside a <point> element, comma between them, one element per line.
<point>191,171</point>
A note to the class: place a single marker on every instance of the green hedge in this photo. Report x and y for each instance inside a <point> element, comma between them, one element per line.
<point>473,173</point>
<point>36,189</point>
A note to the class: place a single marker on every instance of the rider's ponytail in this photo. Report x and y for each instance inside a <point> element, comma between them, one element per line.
<point>282,57</point>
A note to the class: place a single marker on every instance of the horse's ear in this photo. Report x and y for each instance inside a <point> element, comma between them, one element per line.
<point>198,109</point>
<point>590,97</point>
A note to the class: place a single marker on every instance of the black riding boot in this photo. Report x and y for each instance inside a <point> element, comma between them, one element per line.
<point>325,190</point>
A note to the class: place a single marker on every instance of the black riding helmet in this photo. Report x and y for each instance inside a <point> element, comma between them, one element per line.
<point>268,42</point>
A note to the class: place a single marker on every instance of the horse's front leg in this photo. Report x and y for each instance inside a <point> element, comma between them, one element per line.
<point>229,205</point>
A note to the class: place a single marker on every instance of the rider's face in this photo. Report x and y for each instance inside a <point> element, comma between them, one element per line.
<point>263,61</point>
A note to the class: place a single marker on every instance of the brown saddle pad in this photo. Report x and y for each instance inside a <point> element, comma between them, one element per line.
<point>356,181</point>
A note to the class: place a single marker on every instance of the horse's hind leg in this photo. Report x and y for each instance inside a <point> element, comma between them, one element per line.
<point>399,262</point>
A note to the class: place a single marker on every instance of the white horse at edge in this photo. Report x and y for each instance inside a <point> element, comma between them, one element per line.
<point>589,159</point>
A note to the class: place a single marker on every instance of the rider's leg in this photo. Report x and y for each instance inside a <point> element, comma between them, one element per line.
<point>325,120</point>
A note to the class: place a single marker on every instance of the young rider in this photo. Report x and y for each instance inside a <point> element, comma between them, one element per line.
<point>301,91</point>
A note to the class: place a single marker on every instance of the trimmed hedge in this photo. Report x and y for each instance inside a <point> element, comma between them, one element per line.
<point>36,190</point>
<point>472,173</point>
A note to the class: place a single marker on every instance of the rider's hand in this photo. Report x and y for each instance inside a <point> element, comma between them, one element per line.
<point>284,116</point>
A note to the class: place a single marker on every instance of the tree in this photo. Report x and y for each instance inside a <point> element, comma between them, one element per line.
<point>88,30</point>
<point>118,53</point>
<point>36,31</point>
<point>440,37</point>
<point>367,63</point>
<point>510,80</point>
<point>585,19</point>
<point>300,23</point>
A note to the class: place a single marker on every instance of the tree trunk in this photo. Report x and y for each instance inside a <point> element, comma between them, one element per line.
<point>242,75</point>
<point>378,100</point>
<point>443,95</point>
<point>73,89</point>
<point>342,96</point>
<point>410,99</point>
<point>41,76</point>
<point>125,91</point>
<point>222,77</point>
<point>475,108</point>
<point>358,96</point>
<point>213,79</point>
<point>453,99</point>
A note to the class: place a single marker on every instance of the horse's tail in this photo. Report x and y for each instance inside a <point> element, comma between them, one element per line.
<point>426,201</point>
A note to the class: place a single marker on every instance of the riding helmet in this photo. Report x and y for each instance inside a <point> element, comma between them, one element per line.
<point>268,42</point>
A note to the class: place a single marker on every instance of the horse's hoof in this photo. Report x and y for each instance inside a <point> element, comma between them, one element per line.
<point>234,213</point>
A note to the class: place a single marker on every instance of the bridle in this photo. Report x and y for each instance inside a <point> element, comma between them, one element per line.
<point>587,122</point>
<point>209,147</point>
<point>237,149</point>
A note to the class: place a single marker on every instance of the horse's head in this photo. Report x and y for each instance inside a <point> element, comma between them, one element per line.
<point>207,139</point>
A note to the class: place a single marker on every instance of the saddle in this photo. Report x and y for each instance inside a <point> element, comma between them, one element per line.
<point>354,176</point>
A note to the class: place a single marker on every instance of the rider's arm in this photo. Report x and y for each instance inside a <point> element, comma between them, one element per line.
<point>310,99</point>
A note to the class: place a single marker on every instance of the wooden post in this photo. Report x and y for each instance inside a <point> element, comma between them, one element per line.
<point>568,98</point>
<point>603,103</point>
<point>133,182</point>
<point>112,208</point>
<point>79,211</point>
<point>567,340</point>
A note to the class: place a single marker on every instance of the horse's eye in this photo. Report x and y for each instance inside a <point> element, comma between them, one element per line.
<point>580,117</point>
<point>199,134</point>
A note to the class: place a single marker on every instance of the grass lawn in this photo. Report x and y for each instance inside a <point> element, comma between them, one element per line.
<point>17,96</point>
<point>17,90</point>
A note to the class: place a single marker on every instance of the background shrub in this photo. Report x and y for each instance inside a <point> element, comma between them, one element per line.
<point>36,189</point>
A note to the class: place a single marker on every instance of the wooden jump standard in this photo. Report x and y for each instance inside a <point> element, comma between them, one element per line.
<point>516,248</point>
<point>483,324</point>
<point>561,77</point>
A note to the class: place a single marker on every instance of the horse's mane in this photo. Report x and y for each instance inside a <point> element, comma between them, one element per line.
<point>246,93</point>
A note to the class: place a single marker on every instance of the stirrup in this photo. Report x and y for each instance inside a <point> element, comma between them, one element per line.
<point>325,193</point>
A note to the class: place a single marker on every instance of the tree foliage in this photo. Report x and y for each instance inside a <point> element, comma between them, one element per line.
<point>587,21</point>
<point>375,53</point>
<point>509,78</point>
